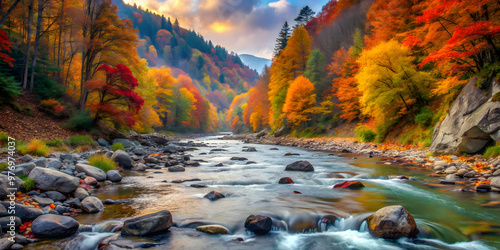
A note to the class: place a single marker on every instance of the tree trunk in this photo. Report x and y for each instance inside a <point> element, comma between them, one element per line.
<point>37,41</point>
<point>60,35</point>
<point>28,45</point>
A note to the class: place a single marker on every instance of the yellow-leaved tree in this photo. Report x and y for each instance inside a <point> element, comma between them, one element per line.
<point>164,85</point>
<point>300,100</point>
<point>390,83</point>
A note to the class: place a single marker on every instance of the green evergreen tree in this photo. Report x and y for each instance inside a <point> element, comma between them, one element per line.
<point>305,15</point>
<point>315,71</point>
<point>282,39</point>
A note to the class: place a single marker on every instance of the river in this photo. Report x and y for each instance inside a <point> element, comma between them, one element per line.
<point>446,217</point>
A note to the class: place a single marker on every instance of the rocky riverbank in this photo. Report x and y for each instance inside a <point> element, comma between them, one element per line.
<point>480,175</point>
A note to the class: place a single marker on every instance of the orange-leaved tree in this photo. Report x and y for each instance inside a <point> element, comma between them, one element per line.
<point>300,101</point>
<point>290,63</point>
<point>114,98</point>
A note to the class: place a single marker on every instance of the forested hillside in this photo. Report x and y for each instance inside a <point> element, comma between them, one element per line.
<point>217,74</point>
<point>391,67</point>
<point>95,63</point>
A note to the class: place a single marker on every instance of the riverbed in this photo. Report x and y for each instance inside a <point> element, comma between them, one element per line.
<point>307,215</point>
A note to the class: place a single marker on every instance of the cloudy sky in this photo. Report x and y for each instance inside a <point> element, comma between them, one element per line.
<point>242,26</point>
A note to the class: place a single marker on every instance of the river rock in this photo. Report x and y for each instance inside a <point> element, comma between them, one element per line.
<point>56,196</point>
<point>177,168</point>
<point>140,167</point>
<point>54,226</point>
<point>127,144</point>
<point>81,193</point>
<point>462,172</point>
<point>52,180</point>
<point>25,158</point>
<point>300,166</point>
<point>122,159</point>
<point>5,243</point>
<point>148,224</point>
<point>495,182</point>
<point>450,170</point>
<point>483,188</point>
<point>91,181</point>
<point>25,212</point>
<point>392,222</point>
<point>42,201</point>
<point>472,123</point>
<point>249,149</point>
<point>214,196</point>
<point>24,169</point>
<point>193,163</point>
<point>41,162</point>
<point>259,224</point>
<point>212,229</point>
<point>286,180</point>
<point>67,157</point>
<point>92,204</point>
<point>5,221</point>
<point>114,175</point>
<point>102,142</point>
<point>91,171</point>
<point>5,185</point>
<point>349,185</point>
<point>55,163</point>
<point>236,158</point>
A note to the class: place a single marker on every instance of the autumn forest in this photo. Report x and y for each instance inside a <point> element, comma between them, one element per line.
<point>380,65</point>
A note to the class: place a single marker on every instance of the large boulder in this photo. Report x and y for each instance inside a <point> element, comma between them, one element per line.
<point>54,226</point>
<point>122,159</point>
<point>91,171</point>
<point>259,224</point>
<point>92,204</point>
<point>148,224</point>
<point>25,212</point>
<point>300,166</point>
<point>472,123</point>
<point>52,180</point>
<point>392,222</point>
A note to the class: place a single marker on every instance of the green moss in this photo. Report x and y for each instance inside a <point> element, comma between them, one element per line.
<point>28,185</point>
<point>117,146</point>
<point>492,151</point>
<point>4,166</point>
<point>55,143</point>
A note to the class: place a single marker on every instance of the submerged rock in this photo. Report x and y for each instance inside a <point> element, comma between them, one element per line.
<point>214,196</point>
<point>236,158</point>
<point>392,222</point>
<point>148,224</point>
<point>300,166</point>
<point>286,180</point>
<point>259,224</point>
<point>349,184</point>
<point>177,168</point>
<point>212,229</point>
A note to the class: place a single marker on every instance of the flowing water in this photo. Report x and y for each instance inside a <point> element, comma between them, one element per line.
<point>318,217</point>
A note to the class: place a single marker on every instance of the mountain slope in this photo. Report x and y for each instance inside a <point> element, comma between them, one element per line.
<point>218,74</point>
<point>254,62</point>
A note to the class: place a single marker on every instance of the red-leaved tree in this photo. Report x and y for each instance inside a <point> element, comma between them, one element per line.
<point>115,98</point>
<point>5,45</point>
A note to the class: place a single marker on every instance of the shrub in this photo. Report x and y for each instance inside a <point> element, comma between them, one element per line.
<point>37,147</point>
<point>9,89</point>
<point>492,151</point>
<point>424,118</point>
<point>102,162</point>
<point>364,133</point>
<point>83,148</point>
<point>80,140</point>
<point>28,185</point>
<point>55,143</point>
<point>46,88</point>
<point>79,121</point>
<point>117,146</point>
<point>51,105</point>
<point>4,138</point>
<point>4,166</point>
<point>62,148</point>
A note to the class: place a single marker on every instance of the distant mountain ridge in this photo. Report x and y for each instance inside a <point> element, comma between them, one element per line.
<point>254,62</point>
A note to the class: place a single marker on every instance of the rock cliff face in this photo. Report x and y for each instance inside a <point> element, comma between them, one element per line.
<point>472,123</point>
